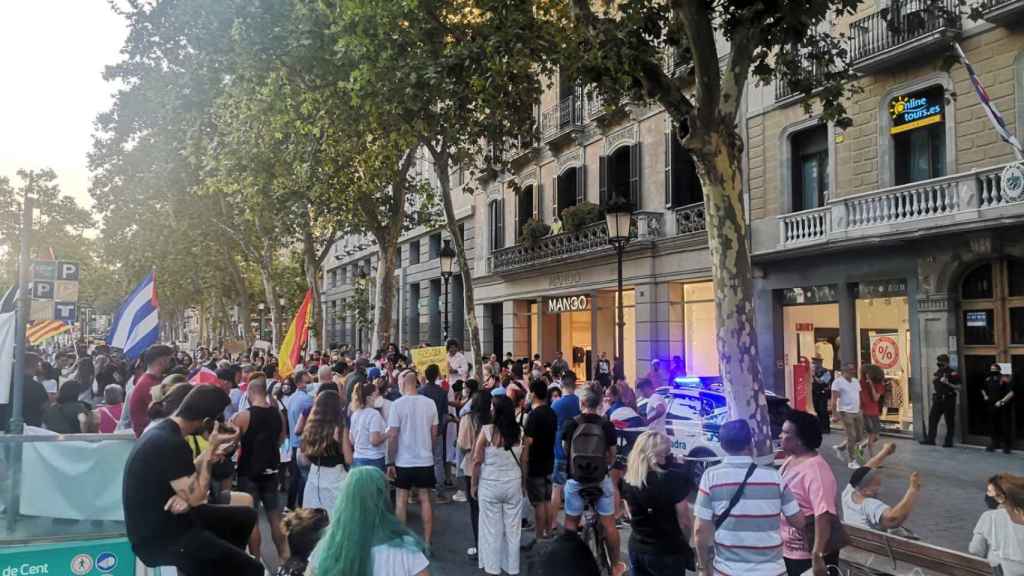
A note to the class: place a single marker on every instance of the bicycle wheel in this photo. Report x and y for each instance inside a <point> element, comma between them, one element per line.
<point>598,545</point>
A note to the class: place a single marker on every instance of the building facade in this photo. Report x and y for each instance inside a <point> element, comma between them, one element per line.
<point>891,242</point>
<point>897,239</point>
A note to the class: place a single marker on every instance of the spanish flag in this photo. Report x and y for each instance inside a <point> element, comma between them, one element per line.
<point>295,339</point>
<point>43,329</point>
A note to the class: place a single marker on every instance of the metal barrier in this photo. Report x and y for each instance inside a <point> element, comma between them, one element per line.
<point>60,497</point>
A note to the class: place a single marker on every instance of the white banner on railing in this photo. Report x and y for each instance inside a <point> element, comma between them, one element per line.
<point>7,322</point>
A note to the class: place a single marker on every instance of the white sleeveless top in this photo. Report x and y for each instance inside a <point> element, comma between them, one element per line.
<point>499,463</point>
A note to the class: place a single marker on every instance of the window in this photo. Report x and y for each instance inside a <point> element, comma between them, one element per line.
<point>414,252</point>
<point>462,233</point>
<point>332,278</point>
<point>810,168</point>
<point>620,176</point>
<point>682,184</point>
<point>978,283</point>
<point>568,190</point>
<point>435,245</point>
<point>919,135</point>
<point>497,218</point>
<point>524,208</point>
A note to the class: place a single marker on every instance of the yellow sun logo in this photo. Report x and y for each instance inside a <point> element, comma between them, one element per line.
<point>897,106</point>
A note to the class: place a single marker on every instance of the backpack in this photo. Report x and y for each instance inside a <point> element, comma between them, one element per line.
<point>589,452</point>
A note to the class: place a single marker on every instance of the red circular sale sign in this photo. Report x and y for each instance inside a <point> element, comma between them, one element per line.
<point>885,352</point>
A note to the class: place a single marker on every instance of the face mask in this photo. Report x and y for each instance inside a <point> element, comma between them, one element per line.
<point>991,502</point>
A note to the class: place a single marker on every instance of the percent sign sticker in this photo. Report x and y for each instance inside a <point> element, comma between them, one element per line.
<point>885,352</point>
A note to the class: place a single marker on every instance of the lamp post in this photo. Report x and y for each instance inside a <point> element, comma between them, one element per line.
<point>261,306</point>
<point>619,215</point>
<point>362,276</point>
<point>447,257</point>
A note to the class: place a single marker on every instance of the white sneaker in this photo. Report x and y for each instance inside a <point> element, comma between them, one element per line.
<point>459,496</point>
<point>853,465</point>
<point>840,453</point>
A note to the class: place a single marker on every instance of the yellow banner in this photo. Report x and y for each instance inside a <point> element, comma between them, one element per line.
<point>916,124</point>
<point>423,357</point>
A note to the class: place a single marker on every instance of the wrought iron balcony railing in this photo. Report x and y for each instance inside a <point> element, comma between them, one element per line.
<point>1002,12</point>
<point>690,219</point>
<point>563,117</point>
<point>893,35</point>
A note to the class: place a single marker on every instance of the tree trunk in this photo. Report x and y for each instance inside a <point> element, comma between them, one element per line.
<point>441,167</point>
<point>242,292</point>
<point>387,240</point>
<point>270,294</point>
<point>721,176</point>
<point>311,266</point>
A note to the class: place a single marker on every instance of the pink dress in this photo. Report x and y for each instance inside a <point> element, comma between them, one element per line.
<point>814,487</point>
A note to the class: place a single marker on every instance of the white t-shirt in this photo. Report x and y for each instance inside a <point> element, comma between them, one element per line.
<point>999,539</point>
<point>457,364</point>
<point>849,394</point>
<point>363,423</point>
<point>868,513</point>
<point>413,416</point>
<point>653,405</point>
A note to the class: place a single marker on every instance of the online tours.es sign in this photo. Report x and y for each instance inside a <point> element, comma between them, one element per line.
<point>915,110</point>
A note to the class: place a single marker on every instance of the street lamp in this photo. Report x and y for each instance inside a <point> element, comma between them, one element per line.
<point>447,257</point>
<point>261,306</point>
<point>362,275</point>
<point>619,216</point>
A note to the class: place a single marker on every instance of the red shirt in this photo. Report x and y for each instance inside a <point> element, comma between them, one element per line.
<point>138,408</point>
<point>868,406</point>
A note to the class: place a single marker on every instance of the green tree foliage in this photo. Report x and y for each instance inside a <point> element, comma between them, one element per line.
<point>622,50</point>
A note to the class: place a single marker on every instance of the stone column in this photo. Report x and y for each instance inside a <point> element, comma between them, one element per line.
<point>847,325</point>
<point>646,322</point>
<point>934,318</point>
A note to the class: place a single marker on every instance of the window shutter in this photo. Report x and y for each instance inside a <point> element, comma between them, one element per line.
<point>668,168</point>
<point>581,186</point>
<point>634,176</point>
<point>501,223</point>
<point>537,200</point>
<point>602,186</point>
<point>554,198</point>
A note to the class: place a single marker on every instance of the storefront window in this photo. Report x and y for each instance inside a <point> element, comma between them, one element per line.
<point>701,328</point>
<point>883,332</point>
<point>574,329</point>
<point>809,330</point>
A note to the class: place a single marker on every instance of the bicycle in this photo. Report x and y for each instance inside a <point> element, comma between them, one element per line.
<point>592,531</point>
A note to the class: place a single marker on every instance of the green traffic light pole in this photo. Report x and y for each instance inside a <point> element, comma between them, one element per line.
<point>17,423</point>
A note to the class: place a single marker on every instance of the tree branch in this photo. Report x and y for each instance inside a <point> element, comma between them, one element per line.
<point>744,41</point>
<point>696,20</point>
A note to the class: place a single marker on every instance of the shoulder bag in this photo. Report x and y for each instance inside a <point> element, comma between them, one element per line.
<point>736,497</point>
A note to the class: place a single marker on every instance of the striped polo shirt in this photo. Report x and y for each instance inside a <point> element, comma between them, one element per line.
<point>749,542</point>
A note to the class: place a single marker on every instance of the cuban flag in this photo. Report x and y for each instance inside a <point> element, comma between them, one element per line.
<point>137,323</point>
<point>990,110</point>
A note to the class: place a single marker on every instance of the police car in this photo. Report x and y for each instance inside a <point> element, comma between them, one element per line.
<point>697,408</point>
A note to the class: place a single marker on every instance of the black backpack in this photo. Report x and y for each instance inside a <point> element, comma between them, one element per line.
<point>589,452</point>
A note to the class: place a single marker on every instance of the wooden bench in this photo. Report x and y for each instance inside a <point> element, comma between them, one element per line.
<point>872,552</point>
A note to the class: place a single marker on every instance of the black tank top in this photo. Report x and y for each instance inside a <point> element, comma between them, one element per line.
<point>261,443</point>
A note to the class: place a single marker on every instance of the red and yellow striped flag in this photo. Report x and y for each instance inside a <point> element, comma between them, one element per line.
<point>43,329</point>
<point>295,339</point>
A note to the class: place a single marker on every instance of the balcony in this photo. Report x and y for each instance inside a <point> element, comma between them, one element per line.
<point>784,91</point>
<point>690,219</point>
<point>563,121</point>
<point>888,38</point>
<point>587,242</point>
<point>971,199</point>
<point>1002,12</point>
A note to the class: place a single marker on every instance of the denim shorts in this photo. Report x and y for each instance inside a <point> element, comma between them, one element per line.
<point>574,501</point>
<point>561,473</point>
<point>375,462</point>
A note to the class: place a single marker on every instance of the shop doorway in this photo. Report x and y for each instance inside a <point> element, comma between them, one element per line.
<point>883,333</point>
<point>991,328</point>
<point>809,330</point>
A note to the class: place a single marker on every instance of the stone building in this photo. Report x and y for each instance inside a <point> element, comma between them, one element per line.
<point>895,240</point>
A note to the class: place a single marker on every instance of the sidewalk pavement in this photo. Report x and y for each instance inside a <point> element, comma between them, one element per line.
<point>953,484</point>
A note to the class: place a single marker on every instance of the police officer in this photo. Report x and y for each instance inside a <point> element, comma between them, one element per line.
<point>945,385</point>
<point>821,392</point>
<point>998,394</point>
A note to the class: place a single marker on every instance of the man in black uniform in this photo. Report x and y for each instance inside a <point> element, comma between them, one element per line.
<point>821,392</point>
<point>945,385</point>
<point>998,395</point>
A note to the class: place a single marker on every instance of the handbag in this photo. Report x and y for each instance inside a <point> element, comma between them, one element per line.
<point>736,496</point>
<point>837,537</point>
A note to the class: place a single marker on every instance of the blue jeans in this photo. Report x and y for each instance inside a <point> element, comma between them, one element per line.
<point>574,503</point>
<point>375,462</point>
<point>647,564</point>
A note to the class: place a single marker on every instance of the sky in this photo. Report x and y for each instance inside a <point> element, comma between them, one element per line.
<point>51,85</point>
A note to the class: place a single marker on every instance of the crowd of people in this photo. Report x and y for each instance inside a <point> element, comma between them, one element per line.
<point>335,453</point>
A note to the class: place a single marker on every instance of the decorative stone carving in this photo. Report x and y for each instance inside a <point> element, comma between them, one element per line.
<point>628,135</point>
<point>934,303</point>
<point>574,158</point>
<point>981,245</point>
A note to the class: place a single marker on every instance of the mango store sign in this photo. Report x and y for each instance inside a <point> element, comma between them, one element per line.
<point>111,557</point>
<point>559,304</point>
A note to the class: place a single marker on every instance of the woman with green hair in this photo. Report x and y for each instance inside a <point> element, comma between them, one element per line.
<point>365,537</point>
